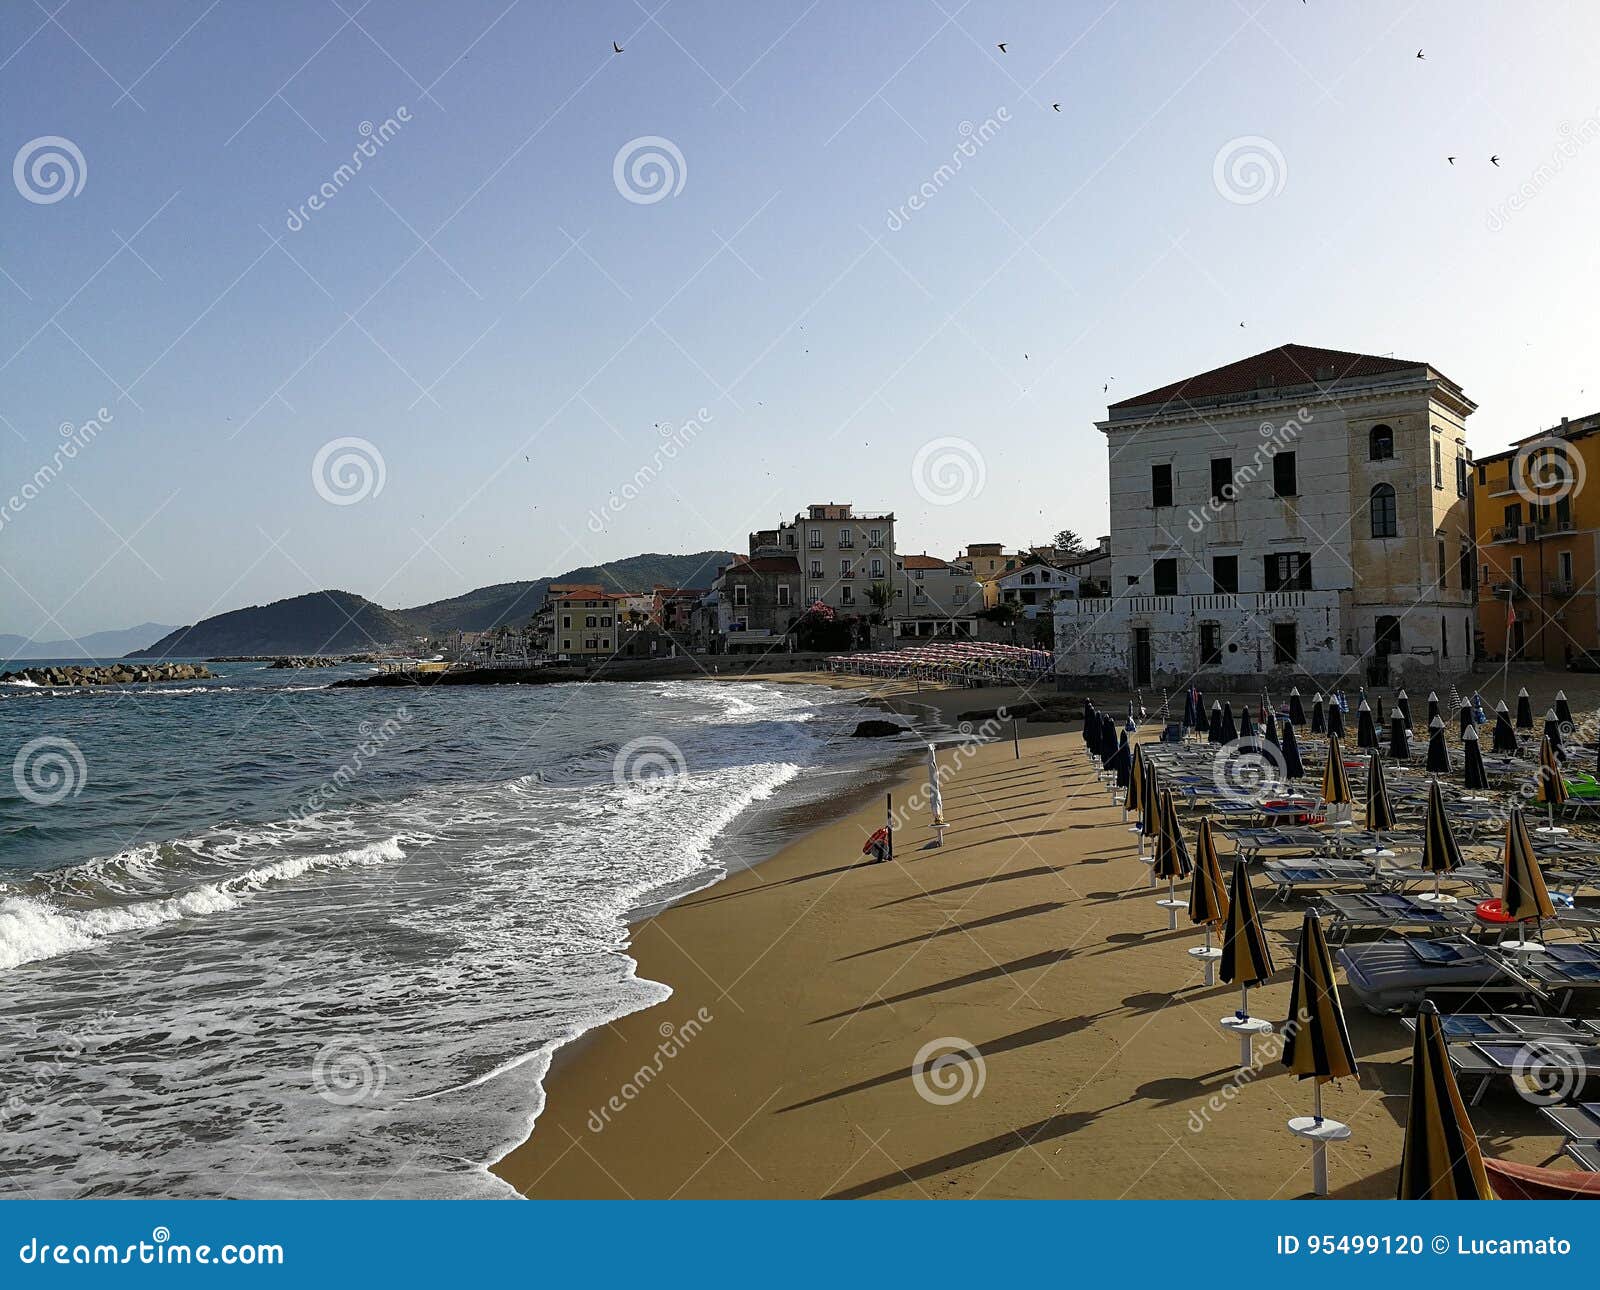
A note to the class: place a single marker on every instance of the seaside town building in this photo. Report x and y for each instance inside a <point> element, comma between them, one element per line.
<point>1034,585</point>
<point>757,597</point>
<point>1538,538</point>
<point>841,554</point>
<point>1299,514</point>
<point>587,621</point>
<point>933,597</point>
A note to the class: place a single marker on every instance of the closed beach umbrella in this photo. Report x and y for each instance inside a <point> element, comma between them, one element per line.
<point>1399,736</point>
<point>1366,732</point>
<point>1438,753</point>
<point>1122,763</point>
<point>1477,774</point>
<point>1523,895</point>
<point>1297,710</point>
<point>1136,778</point>
<point>1108,741</point>
<point>1405,707</point>
<point>1433,706</point>
<point>1524,710</point>
<point>1214,730</point>
<point>1091,726</point>
<point>1189,721</point>
<point>1440,1159</point>
<point>1335,720</point>
<point>935,794</point>
<point>1208,893</point>
<point>1150,808</point>
<point>1247,728</point>
<point>1505,738</point>
<point>1229,730</point>
<point>1380,812</point>
<point>1552,788</point>
<point>1441,853</point>
<point>1478,713</point>
<point>1172,852</point>
<point>1563,709</point>
<point>1201,723</point>
<point>1246,957</point>
<point>1269,727</point>
<point>1335,782</point>
<point>1466,719</point>
<point>1319,723</point>
<point>1552,730</point>
<point>1317,1042</point>
<point>1293,767</point>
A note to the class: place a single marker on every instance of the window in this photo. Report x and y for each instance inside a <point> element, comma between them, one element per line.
<point>1222,489</point>
<point>1484,568</point>
<point>1380,443</point>
<point>1461,474</point>
<point>1564,512</point>
<point>1133,580</point>
<point>1161,484</point>
<point>1287,571</point>
<point>816,568</point>
<point>874,537</point>
<point>1516,571</point>
<point>1444,637</point>
<point>1028,580</point>
<point>844,568</point>
<point>959,595</point>
<point>591,620</point>
<point>1283,475</point>
<point>1381,504</point>
<point>846,539</point>
<point>741,594</point>
<point>566,620</point>
<point>1465,566</point>
<point>566,645</point>
<point>1225,574</point>
<point>1166,577</point>
<point>1483,474</point>
<point>847,595</point>
<point>1564,567</point>
<point>1441,562</point>
<point>1513,515</point>
<point>1438,464</point>
<point>1210,643</point>
<point>814,540</point>
<point>1285,643</point>
<point>877,568</point>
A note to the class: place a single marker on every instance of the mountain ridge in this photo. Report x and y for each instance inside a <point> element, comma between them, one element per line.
<point>113,643</point>
<point>332,621</point>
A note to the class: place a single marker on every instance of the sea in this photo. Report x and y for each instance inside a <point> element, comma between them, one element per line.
<point>260,937</point>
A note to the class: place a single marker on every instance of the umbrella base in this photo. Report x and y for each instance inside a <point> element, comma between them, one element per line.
<point>1172,905</point>
<point>1552,830</point>
<point>1208,956</point>
<point>1247,1028</point>
<point>1435,898</point>
<point>1522,947</point>
<point>1319,1133</point>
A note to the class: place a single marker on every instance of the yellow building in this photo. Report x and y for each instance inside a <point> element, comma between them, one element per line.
<point>588,621</point>
<point>1538,530</point>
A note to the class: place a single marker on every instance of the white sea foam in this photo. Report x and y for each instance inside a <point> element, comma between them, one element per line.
<point>34,928</point>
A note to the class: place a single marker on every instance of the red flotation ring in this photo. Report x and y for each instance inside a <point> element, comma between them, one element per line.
<point>1492,911</point>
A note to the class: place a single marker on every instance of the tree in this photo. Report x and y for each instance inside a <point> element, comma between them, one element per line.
<point>1069,542</point>
<point>879,595</point>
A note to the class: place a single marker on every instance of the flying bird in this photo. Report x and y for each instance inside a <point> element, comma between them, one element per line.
<point>1420,54</point>
<point>1001,46</point>
<point>1056,106</point>
<point>1495,160</point>
<point>1451,160</point>
<point>615,48</point>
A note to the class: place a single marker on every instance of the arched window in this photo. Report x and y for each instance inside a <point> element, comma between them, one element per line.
<point>1380,443</point>
<point>1381,503</point>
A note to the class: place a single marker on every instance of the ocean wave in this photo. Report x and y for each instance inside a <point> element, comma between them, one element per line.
<point>32,928</point>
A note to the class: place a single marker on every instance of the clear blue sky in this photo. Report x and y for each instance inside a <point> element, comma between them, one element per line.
<point>512,381</point>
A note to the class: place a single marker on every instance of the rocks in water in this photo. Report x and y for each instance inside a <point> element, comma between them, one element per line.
<point>309,660</point>
<point>113,674</point>
<point>877,729</point>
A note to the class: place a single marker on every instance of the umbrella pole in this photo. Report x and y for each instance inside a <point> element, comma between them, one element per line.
<point>1247,1051</point>
<point>1319,1148</point>
<point>1172,907</point>
<point>1211,967</point>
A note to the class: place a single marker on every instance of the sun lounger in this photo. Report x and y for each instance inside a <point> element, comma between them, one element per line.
<point>1397,974</point>
<point>1318,873</point>
<point>1488,1060</point>
<point>1387,912</point>
<point>1534,1182</point>
<point>1563,971</point>
<point>1470,1027</point>
<point>1579,1120</point>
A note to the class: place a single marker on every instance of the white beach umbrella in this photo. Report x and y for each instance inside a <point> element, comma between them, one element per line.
<point>935,797</point>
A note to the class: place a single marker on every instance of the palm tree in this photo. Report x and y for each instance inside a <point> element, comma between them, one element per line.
<point>879,595</point>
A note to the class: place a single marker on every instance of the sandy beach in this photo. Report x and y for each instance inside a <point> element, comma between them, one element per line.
<point>804,991</point>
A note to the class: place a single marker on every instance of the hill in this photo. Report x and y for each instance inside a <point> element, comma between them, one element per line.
<point>340,622</point>
<point>322,622</point>
<point>110,644</point>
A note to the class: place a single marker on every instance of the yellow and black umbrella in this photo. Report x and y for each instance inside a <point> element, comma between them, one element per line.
<point>1135,798</point>
<point>1149,810</point>
<point>1246,958</point>
<point>1172,852</point>
<point>1335,781</point>
<point>1316,1042</point>
<point>1380,814</point>
<point>1552,788</point>
<point>1440,1159</point>
<point>1208,892</point>
<point>1523,895</point>
<point>1441,853</point>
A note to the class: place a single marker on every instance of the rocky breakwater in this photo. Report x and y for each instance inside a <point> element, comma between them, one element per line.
<point>311,660</point>
<point>115,674</point>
